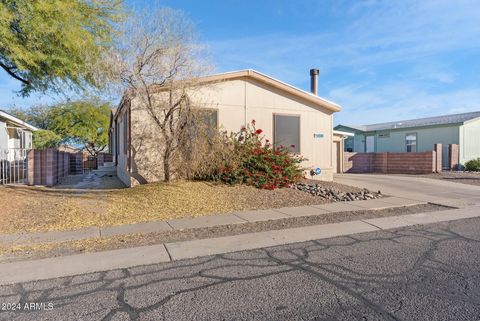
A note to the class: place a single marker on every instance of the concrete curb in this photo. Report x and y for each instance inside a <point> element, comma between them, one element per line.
<point>205,221</point>
<point>94,262</point>
<point>196,248</point>
<point>79,264</point>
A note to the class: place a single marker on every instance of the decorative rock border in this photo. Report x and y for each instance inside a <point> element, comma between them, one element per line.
<point>334,195</point>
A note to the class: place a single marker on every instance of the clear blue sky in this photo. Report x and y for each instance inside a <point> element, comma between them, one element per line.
<point>380,60</point>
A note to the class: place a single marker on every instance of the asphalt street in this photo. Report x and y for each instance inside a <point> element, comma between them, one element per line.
<point>429,272</point>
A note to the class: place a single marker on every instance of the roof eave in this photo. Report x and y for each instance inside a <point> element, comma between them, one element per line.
<point>17,121</point>
<point>414,127</point>
<point>471,120</point>
<point>342,133</point>
<point>352,128</point>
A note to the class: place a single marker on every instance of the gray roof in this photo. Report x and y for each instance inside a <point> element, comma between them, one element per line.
<point>420,122</point>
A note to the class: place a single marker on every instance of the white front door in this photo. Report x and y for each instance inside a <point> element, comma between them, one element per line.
<point>370,144</point>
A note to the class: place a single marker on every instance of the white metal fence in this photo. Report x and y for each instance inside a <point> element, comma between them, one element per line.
<point>13,166</point>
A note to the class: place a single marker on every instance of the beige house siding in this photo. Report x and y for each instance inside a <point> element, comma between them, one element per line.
<point>238,102</point>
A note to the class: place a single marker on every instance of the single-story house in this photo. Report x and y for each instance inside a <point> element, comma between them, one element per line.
<point>286,114</point>
<point>418,135</point>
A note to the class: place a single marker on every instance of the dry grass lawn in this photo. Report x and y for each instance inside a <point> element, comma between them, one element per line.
<point>35,209</point>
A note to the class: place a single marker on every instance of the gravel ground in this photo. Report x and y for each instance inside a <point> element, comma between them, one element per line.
<point>470,178</point>
<point>333,194</point>
<point>67,248</point>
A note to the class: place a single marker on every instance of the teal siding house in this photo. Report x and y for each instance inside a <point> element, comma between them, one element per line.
<point>418,135</point>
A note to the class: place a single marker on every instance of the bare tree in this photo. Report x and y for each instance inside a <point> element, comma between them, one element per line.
<point>158,62</point>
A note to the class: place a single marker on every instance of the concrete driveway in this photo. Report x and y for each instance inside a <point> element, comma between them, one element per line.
<point>417,188</point>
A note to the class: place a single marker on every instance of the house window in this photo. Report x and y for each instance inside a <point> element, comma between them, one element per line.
<point>286,132</point>
<point>411,142</point>
<point>209,117</point>
<point>205,123</point>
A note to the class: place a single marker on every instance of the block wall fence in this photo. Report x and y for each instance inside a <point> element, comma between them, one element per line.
<point>454,157</point>
<point>48,166</point>
<point>400,163</point>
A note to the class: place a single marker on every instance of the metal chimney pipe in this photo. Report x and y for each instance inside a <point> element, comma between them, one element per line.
<point>314,81</point>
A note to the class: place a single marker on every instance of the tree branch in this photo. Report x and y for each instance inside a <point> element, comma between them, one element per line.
<point>14,75</point>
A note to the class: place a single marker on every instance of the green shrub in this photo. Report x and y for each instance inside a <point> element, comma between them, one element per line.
<point>46,139</point>
<point>246,157</point>
<point>473,165</point>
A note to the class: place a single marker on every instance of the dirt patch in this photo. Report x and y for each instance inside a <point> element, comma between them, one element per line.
<point>470,178</point>
<point>36,209</point>
<point>15,253</point>
<point>31,209</point>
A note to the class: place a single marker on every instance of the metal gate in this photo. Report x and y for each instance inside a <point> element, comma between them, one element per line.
<point>13,166</point>
<point>89,163</point>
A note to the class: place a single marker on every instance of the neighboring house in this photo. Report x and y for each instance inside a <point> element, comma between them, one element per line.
<point>15,141</point>
<point>339,139</point>
<point>14,133</point>
<point>68,148</point>
<point>287,115</point>
<point>419,135</point>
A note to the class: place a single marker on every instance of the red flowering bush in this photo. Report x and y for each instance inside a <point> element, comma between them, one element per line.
<point>254,161</point>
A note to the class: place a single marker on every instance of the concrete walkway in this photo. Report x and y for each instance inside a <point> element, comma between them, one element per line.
<point>206,221</point>
<point>116,259</point>
<point>93,180</point>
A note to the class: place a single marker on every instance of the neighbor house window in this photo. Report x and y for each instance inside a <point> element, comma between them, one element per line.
<point>348,144</point>
<point>411,142</point>
<point>286,132</point>
<point>29,140</point>
<point>23,138</point>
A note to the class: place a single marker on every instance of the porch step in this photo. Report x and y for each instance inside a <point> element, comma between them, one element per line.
<point>108,164</point>
<point>106,170</point>
<point>107,167</point>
